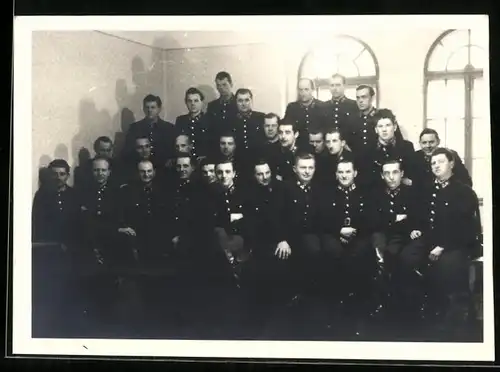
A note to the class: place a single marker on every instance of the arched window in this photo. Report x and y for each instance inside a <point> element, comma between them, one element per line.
<point>454,97</point>
<point>345,55</point>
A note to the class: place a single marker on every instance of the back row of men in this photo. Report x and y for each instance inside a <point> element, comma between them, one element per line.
<point>231,130</point>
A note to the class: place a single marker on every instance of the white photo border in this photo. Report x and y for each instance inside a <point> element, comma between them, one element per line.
<point>23,343</point>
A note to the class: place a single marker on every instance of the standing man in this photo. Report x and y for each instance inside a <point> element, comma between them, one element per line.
<point>229,151</point>
<point>196,123</point>
<point>161,133</point>
<point>283,160</point>
<point>307,112</point>
<point>339,110</point>
<point>336,151</point>
<point>224,107</point>
<point>429,142</point>
<point>387,146</point>
<point>247,124</point>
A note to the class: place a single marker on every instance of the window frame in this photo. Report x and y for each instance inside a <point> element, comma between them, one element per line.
<point>467,75</point>
<point>324,82</point>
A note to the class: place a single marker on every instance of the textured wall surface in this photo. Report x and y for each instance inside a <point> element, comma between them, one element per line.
<point>85,84</point>
<point>255,66</point>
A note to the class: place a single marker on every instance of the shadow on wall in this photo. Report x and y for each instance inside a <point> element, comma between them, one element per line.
<point>61,152</point>
<point>148,78</point>
<point>209,92</point>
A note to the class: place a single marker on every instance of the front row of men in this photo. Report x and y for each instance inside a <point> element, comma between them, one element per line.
<point>283,238</point>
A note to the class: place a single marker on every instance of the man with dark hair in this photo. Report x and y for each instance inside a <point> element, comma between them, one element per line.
<point>283,160</point>
<point>307,112</point>
<point>451,229</point>
<point>247,124</point>
<point>196,123</point>
<point>388,146</point>
<point>143,150</point>
<point>395,215</point>
<point>207,171</point>
<point>336,150</point>
<point>429,142</point>
<point>144,230</point>
<point>317,141</point>
<point>224,107</point>
<point>304,198</point>
<point>339,110</point>
<point>349,255</point>
<point>161,133</point>
<point>56,208</point>
<point>103,147</point>
<point>229,151</point>
<point>269,274</point>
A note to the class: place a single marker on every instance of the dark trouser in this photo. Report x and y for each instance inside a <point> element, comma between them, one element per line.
<point>307,261</point>
<point>267,282</point>
<point>351,270</point>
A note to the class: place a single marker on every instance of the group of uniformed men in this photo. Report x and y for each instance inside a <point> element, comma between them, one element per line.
<point>328,204</point>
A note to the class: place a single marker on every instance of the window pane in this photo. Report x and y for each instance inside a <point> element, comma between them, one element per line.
<point>481,141</point>
<point>455,99</point>
<point>454,136</point>
<point>458,59</point>
<point>438,59</point>
<point>454,40</point>
<point>435,93</point>
<point>366,64</point>
<point>480,101</point>
<point>347,67</point>
<point>324,94</point>
<point>479,181</point>
<point>478,57</point>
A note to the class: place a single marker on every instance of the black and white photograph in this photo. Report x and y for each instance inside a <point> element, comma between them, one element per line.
<point>314,187</point>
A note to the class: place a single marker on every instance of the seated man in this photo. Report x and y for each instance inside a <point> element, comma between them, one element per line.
<point>270,268</point>
<point>451,230</point>
<point>103,147</point>
<point>56,208</point>
<point>347,231</point>
<point>429,142</point>
<point>303,203</point>
<point>394,207</point>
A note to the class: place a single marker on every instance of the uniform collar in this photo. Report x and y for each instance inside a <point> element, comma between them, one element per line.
<point>347,189</point>
<point>304,187</point>
<point>229,100</point>
<point>312,104</point>
<point>197,116</point>
<point>393,193</point>
<point>244,115</point>
<point>441,184</point>
<point>230,190</point>
<point>391,143</point>
<point>369,113</point>
<point>339,100</point>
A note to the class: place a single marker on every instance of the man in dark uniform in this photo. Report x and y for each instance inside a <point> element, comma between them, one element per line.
<point>271,143</point>
<point>317,141</point>
<point>56,208</point>
<point>339,110</point>
<point>269,273</point>
<point>196,123</point>
<point>350,256</point>
<point>55,222</point>
<point>101,261</point>
<point>144,229</point>
<point>229,151</point>
<point>283,160</point>
<point>103,147</point>
<point>161,133</point>
<point>394,216</point>
<point>207,171</point>
<point>224,107</point>
<point>388,146</point>
<point>429,141</point>
<point>247,124</point>
<point>127,169</point>
<point>337,150</point>
<point>303,206</point>
<point>231,232</point>
<point>451,230</point>
<point>307,112</point>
